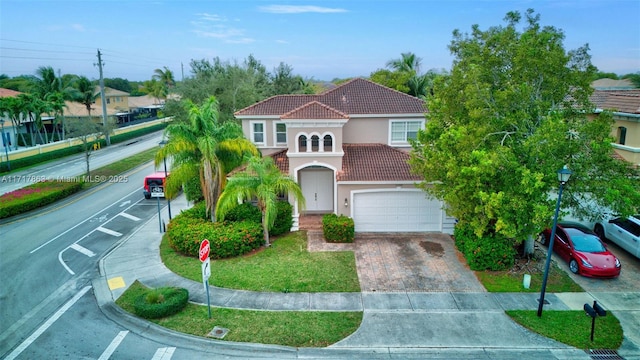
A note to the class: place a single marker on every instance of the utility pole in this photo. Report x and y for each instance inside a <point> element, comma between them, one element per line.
<point>104,103</point>
<point>182,66</point>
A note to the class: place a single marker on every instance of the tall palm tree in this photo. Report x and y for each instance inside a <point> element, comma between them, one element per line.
<point>85,93</point>
<point>204,148</point>
<point>261,180</point>
<point>408,62</point>
<point>165,77</point>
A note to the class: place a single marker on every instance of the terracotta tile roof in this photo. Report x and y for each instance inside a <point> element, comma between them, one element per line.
<point>375,162</point>
<point>365,162</point>
<point>281,160</point>
<point>626,101</point>
<point>357,96</point>
<point>314,110</point>
<point>9,93</point>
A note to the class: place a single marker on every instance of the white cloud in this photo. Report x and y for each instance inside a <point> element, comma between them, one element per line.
<point>212,26</point>
<point>282,41</point>
<point>297,9</point>
<point>211,17</point>
<point>78,27</point>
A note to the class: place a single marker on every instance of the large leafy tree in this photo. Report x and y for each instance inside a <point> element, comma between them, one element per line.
<point>263,181</point>
<point>512,112</point>
<point>204,148</point>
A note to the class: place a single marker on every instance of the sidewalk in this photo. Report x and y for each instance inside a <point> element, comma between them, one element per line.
<point>434,322</point>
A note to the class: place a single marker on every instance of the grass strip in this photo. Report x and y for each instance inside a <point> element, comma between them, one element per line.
<point>288,328</point>
<point>286,266</point>
<point>505,281</point>
<point>572,327</point>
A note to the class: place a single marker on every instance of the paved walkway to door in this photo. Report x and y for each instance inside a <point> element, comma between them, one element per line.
<point>392,262</point>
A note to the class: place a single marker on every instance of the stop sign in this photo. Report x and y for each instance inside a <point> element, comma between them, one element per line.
<point>204,250</point>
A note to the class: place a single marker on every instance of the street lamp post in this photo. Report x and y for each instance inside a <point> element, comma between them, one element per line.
<point>164,160</point>
<point>563,177</point>
<point>4,143</point>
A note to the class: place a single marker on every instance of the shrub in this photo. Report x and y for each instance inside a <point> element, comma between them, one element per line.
<point>227,239</point>
<point>244,212</point>
<point>489,252</point>
<point>338,228</point>
<point>161,302</point>
<point>461,233</point>
<point>192,189</point>
<point>36,195</point>
<point>284,221</point>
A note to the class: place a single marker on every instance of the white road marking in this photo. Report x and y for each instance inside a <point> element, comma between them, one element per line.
<point>25,344</point>
<point>129,216</point>
<point>108,231</point>
<point>125,203</point>
<point>80,223</point>
<point>113,346</point>
<point>83,250</point>
<point>164,353</point>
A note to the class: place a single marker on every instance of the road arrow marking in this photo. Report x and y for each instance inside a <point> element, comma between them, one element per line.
<point>125,203</point>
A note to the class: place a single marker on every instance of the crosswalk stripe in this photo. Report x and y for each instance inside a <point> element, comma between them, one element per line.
<point>164,353</point>
<point>107,231</point>
<point>129,216</point>
<point>83,250</point>
<point>113,346</point>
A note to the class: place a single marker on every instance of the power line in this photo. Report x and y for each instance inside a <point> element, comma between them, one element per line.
<point>38,58</point>
<point>48,44</point>
<point>47,51</point>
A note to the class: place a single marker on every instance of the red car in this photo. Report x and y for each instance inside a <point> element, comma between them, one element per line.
<point>585,252</point>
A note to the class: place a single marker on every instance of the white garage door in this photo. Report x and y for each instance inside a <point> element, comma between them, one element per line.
<point>396,211</point>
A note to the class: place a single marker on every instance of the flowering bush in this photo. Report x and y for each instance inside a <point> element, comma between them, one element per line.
<point>36,195</point>
<point>338,228</point>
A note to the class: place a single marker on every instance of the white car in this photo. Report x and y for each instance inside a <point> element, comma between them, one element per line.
<point>624,232</point>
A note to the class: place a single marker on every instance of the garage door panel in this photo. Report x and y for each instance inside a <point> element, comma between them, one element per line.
<point>396,211</point>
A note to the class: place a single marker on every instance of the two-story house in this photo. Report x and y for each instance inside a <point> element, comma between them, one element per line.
<point>625,106</point>
<point>348,150</point>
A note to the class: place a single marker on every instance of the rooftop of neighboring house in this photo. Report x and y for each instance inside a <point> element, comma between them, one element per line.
<point>355,97</point>
<point>9,93</point>
<point>611,84</point>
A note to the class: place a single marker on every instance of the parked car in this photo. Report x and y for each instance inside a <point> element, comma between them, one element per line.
<point>154,183</point>
<point>585,252</point>
<point>624,232</point>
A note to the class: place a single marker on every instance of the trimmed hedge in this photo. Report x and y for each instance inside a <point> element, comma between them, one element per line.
<point>488,252</point>
<point>338,228</point>
<point>227,239</point>
<point>161,302</point>
<point>32,196</point>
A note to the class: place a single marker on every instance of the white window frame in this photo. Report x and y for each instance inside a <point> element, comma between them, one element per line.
<point>253,132</point>
<point>275,133</point>
<point>405,140</point>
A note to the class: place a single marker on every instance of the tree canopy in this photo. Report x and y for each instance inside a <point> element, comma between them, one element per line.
<point>514,110</point>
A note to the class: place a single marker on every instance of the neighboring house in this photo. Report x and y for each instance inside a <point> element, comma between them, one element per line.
<point>8,140</point>
<point>117,101</point>
<point>625,105</point>
<point>348,149</point>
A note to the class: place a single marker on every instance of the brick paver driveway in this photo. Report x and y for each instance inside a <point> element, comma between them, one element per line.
<point>405,262</point>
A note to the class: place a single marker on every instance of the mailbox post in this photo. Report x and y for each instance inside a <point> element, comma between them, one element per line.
<point>594,311</point>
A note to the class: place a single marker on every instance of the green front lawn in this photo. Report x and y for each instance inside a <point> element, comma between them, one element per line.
<point>286,266</point>
<point>507,281</point>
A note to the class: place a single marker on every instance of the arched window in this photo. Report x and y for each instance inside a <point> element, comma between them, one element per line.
<point>302,143</point>
<point>328,143</point>
<point>315,142</point>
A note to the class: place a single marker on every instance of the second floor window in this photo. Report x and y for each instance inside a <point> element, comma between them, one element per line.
<point>281,133</point>
<point>403,131</point>
<point>622,135</point>
<point>257,130</point>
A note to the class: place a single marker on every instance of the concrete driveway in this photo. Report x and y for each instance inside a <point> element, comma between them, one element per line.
<point>392,262</point>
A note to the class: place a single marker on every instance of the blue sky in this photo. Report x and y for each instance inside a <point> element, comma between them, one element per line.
<point>319,39</point>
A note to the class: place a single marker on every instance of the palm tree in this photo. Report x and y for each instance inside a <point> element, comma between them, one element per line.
<point>408,62</point>
<point>85,93</point>
<point>165,77</point>
<point>156,89</point>
<point>261,180</point>
<point>204,148</point>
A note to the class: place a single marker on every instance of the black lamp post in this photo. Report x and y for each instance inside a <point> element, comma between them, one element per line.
<point>164,160</point>
<point>563,177</point>
<point>4,143</point>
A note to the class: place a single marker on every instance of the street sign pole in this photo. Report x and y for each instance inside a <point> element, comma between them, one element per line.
<point>206,269</point>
